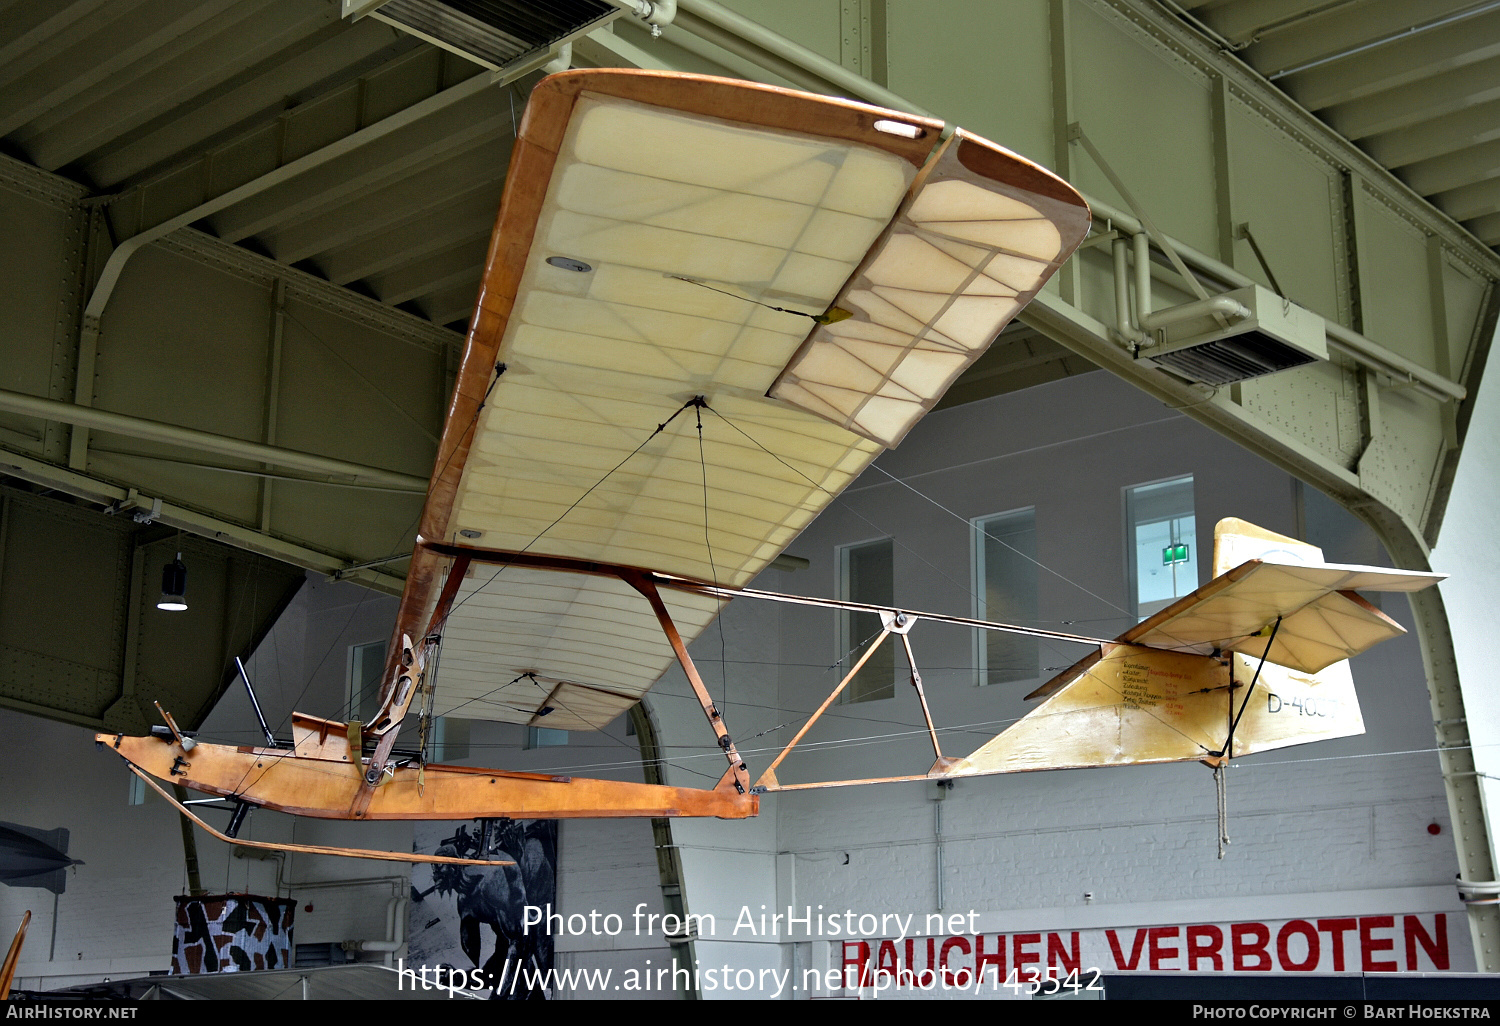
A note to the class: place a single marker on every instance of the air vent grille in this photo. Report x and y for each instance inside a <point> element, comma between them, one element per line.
<point>500,33</point>
<point>1236,358</point>
<point>1211,345</point>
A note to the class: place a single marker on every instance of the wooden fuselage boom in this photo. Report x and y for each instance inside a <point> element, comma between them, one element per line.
<point>327,788</point>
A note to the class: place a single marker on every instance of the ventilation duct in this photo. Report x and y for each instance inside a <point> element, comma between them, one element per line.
<point>505,35</point>
<point>1243,334</point>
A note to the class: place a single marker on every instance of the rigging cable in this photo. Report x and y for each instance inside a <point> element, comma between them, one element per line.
<point>366,592</point>
<point>1229,744</point>
<point>699,404</point>
<point>697,400</point>
<point>831,316</point>
<point>713,567</point>
<point>1018,552</point>
<point>921,494</point>
<point>1041,565</point>
<point>942,573</point>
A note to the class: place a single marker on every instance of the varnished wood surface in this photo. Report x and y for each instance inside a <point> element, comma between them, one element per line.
<point>313,849</point>
<point>277,778</point>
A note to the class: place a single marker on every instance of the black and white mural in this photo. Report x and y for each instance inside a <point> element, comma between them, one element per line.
<point>469,919</point>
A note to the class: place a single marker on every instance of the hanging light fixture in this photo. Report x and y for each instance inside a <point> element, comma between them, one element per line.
<point>173,586</point>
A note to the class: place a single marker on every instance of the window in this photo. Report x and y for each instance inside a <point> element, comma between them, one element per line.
<point>1005,590</point>
<point>1163,543</point>
<point>449,740</point>
<point>136,795</point>
<point>867,573</point>
<point>545,737</point>
<point>366,664</point>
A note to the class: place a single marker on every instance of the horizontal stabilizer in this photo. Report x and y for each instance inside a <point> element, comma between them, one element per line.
<point>1322,621</point>
<point>1263,576</point>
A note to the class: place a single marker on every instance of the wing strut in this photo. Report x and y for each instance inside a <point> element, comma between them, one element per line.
<point>1219,760</point>
<point>768,778</point>
<point>1228,750</point>
<point>737,772</point>
<point>916,682</point>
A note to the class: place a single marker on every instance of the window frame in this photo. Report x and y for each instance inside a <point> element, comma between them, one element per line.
<point>545,737</point>
<point>450,739</point>
<point>844,635</point>
<point>354,691</point>
<point>1132,569</point>
<point>977,582</point>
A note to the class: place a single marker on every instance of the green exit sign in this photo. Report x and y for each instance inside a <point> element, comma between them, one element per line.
<point>1174,554</point>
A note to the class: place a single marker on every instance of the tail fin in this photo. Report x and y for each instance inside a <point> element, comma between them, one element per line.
<point>1289,707</point>
<point>1238,541</point>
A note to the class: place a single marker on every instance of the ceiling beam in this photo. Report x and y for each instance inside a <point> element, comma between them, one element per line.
<point>1487,228</point>
<point>1402,108</point>
<point>422,276</point>
<point>1440,135</point>
<point>1470,201</point>
<point>470,217</point>
<point>416,198</point>
<point>258,92</point>
<point>331,470</point>
<point>170,514</point>
<point>434,139</point>
<point>174,78</point>
<point>1397,63</point>
<point>115,265</point>
<point>44,28</point>
<point>135,36</point>
<point>453,304</point>
<point>1452,170</point>
<point>1329,30</point>
<point>1242,22</point>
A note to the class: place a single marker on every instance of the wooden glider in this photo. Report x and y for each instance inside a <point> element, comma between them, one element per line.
<point>708,306</point>
<point>310,849</point>
<point>784,283</point>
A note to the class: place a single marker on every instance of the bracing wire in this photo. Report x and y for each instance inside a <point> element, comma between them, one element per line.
<point>713,566</point>
<point>965,520</point>
<point>964,587</point>
<point>695,401</point>
<point>365,592</point>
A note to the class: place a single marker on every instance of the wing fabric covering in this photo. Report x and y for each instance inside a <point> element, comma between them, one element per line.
<point>595,360</point>
<point>596,637</point>
<point>1322,620</point>
<point>964,256</point>
<point>649,222</point>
